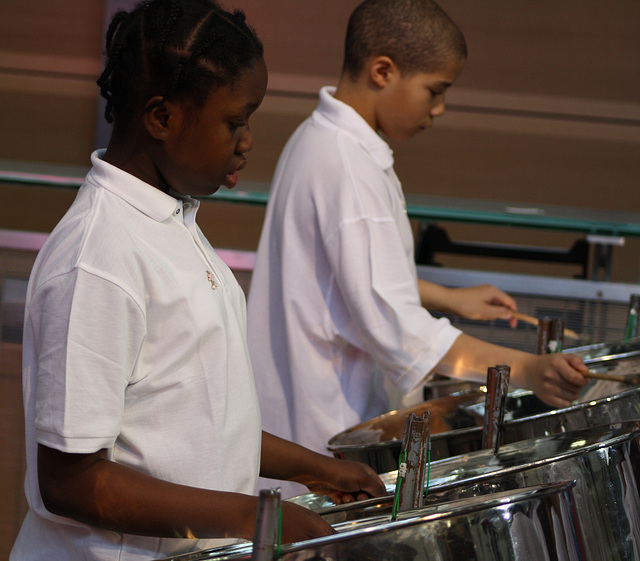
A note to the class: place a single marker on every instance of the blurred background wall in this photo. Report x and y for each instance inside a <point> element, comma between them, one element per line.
<point>546,111</point>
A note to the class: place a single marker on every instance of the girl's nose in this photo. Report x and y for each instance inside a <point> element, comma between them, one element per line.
<point>246,141</point>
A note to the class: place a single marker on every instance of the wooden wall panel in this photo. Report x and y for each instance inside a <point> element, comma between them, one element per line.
<point>47,119</point>
<point>67,28</point>
<point>578,48</point>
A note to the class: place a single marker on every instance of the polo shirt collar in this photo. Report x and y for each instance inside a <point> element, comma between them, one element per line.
<point>147,199</point>
<point>349,120</point>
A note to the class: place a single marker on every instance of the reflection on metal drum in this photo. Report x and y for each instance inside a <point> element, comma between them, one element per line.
<point>532,523</point>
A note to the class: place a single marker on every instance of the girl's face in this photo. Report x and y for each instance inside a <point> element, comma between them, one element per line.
<point>207,146</point>
<point>409,103</point>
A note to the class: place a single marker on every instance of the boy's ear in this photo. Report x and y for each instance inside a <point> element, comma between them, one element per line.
<point>159,116</point>
<point>382,70</point>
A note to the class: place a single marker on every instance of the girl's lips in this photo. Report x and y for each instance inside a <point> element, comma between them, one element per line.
<point>231,180</point>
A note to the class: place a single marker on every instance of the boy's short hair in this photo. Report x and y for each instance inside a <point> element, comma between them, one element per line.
<point>416,34</point>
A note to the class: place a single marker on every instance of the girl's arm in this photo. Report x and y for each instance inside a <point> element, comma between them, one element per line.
<point>94,490</point>
<point>342,480</point>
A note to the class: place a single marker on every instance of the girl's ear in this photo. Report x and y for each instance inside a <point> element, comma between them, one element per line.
<point>382,70</point>
<point>159,116</point>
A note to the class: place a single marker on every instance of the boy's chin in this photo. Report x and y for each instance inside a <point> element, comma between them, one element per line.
<point>402,135</point>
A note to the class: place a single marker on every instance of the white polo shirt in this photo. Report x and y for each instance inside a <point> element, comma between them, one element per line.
<point>334,296</point>
<point>135,341</point>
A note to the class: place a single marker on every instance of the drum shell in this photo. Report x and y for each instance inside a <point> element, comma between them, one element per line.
<point>604,462</point>
<point>534,523</point>
<point>539,420</point>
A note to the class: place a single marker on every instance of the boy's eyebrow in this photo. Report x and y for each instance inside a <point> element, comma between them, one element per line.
<point>251,106</point>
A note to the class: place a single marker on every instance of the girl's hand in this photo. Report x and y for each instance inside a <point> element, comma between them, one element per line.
<point>344,481</point>
<point>299,523</point>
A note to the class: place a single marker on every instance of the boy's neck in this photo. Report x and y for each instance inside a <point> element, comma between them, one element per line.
<point>360,97</point>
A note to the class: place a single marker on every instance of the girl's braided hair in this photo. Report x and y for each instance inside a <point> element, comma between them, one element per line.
<point>177,49</point>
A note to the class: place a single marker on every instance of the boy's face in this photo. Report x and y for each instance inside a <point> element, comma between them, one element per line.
<point>409,103</point>
<point>208,149</point>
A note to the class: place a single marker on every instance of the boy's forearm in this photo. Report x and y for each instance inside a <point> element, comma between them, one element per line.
<point>469,358</point>
<point>433,296</point>
<point>555,378</point>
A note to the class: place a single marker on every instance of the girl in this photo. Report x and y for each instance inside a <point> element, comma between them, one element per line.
<point>143,427</point>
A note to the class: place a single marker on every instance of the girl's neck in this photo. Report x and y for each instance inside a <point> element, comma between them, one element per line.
<point>133,155</point>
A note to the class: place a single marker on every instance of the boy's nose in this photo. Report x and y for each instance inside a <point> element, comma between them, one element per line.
<point>437,109</point>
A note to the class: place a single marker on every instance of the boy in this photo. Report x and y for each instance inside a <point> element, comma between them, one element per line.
<point>335,302</point>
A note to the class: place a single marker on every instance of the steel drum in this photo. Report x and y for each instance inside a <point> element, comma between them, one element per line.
<point>457,424</point>
<point>528,524</point>
<point>604,461</point>
<point>603,353</point>
<point>460,416</point>
<point>442,386</point>
<point>377,441</point>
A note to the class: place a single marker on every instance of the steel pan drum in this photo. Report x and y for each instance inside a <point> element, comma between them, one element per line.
<point>529,524</point>
<point>377,441</point>
<point>601,353</point>
<point>604,461</point>
<point>457,424</point>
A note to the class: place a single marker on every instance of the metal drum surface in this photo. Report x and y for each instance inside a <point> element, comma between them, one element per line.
<point>528,524</point>
<point>600,353</point>
<point>378,441</point>
<point>604,461</point>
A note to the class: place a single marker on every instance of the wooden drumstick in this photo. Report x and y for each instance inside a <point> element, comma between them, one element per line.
<point>632,380</point>
<point>534,321</point>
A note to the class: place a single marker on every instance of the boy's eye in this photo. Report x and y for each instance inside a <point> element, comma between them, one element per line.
<point>236,125</point>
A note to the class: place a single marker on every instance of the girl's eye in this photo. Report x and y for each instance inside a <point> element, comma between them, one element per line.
<point>235,126</point>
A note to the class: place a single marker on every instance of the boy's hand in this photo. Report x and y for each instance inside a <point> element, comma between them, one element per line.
<point>483,302</point>
<point>556,378</point>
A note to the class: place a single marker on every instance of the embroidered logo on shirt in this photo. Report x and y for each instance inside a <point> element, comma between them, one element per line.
<point>212,280</point>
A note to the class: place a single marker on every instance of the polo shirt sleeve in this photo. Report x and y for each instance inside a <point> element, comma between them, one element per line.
<point>379,289</point>
<point>88,333</point>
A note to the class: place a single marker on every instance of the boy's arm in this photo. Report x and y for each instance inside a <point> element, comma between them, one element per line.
<point>485,302</point>
<point>94,490</point>
<point>342,480</point>
<point>555,378</point>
